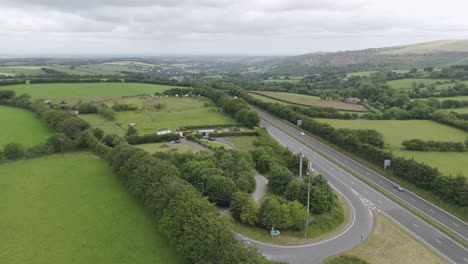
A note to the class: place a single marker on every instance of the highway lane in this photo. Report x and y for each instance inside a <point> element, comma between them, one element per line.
<point>442,244</point>
<point>446,219</point>
<point>361,220</point>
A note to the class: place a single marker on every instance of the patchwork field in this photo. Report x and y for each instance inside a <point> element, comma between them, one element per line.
<point>85,90</point>
<point>14,70</point>
<point>408,83</point>
<point>72,209</point>
<point>175,112</point>
<point>396,131</point>
<point>21,126</point>
<point>312,101</point>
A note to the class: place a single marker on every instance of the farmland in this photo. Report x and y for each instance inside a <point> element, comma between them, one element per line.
<point>312,101</point>
<point>85,90</point>
<point>21,126</point>
<point>458,110</point>
<point>164,147</point>
<point>395,132</point>
<point>175,112</point>
<point>407,84</point>
<point>72,208</point>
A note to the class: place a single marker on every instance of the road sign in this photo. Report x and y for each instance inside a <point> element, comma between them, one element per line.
<point>275,232</point>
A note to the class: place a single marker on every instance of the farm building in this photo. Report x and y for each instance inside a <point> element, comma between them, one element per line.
<point>163,132</point>
<point>206,132</point>
<point>132,124</point>
<point>352,100</point>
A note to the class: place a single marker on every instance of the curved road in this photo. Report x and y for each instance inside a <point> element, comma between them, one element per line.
<point>360,195</point>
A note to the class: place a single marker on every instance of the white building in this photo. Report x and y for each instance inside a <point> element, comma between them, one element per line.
<point>163,132</point>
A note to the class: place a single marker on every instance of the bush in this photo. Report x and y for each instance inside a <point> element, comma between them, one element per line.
<point>13,151</point>
<point>345,259</point>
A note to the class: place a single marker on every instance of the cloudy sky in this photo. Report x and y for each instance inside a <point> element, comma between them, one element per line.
<point>161,27</point>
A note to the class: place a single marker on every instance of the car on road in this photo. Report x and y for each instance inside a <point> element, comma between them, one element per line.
<point>398,187</point>
<point>302,134</point>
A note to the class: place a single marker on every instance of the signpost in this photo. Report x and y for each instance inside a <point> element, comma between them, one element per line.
<point>387,163</point>
<point>274,232</point>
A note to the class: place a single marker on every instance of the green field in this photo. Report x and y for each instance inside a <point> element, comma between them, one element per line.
<point>408,83</point>
<point>176,112</point>
<point>313,101</point>
<point>21,126</point>
<point>266,99</point>
<point>451,84</point>
<point>167,147</point>
<point>396,131</point>
<point>242,142</point>
<point>458,110</point>
<point>85,90</point>
<point>72,209</point>
<point>459,98</point>
<point>362,74</point>
<point>21,70</point>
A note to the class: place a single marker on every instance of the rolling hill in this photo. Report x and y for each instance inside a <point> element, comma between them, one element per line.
<point>436,53</point>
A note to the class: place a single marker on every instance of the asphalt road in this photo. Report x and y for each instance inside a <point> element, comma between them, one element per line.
<point>361,197</point>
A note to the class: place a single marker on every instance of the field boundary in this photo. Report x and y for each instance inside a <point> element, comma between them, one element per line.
<point>306,105</point>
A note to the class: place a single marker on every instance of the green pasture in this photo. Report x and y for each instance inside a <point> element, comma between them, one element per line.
<point>266,99</point>
<point>21,126</point>
<point>20,70</point>
<point>167,147</point>
<point>396,131</point>
<point>72,209</point>
<point>361,74</point>
<point>175,112</point>
<point>458,110</point>
<point>241,142</point>
<point>408,83</point>
<point>85,90</point>
<point>312,101</point>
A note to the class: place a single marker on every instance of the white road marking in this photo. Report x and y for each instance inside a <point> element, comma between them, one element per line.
<point>415,225</point>
<point>438,241</point>
<point>432,211</point>
<point>465,259</point>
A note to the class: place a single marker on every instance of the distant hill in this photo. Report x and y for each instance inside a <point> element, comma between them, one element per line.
<point>436,53</point>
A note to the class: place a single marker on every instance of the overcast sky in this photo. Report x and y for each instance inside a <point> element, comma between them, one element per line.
<point>160,27</point>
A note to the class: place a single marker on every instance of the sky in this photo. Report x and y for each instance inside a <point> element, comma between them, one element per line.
<point>222,27</point>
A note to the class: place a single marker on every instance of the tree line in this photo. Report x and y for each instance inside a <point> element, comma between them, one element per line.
<point>431,145</point>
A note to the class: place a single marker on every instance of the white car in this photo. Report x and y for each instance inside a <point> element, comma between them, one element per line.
<point>302,134</point>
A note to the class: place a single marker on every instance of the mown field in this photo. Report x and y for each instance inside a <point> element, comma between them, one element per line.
<point>15,70</point>
<point>72,209</point>
<point>241,142</point>
<point>85,90</point>
<point>396,131</point>
<point>175,112</point>
<point>21,126</point>
<point>458,110</point>
<point>408,83</point>
<point>313,101</point>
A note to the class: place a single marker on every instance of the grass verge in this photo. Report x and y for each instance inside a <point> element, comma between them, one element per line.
<point>389,243</point>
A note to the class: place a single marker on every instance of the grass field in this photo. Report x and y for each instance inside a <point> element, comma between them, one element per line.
<point>266,99</point>
<point>21,70</point>
<point>459,98</point>
<point>165,147</point>
<point>21,126</point>
<point>313,101</point>
<point>241,142</point>
<point>176,112</point>
<point>408,83</point>
<point>458,110</point>
<point>362,74</point>
<point>389,243</point>
<point>72,209</point>
<point>395,131</point>
<point>85,90</point>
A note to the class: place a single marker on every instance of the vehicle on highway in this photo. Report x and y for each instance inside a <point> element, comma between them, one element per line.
<point>398,187</point>
<point>302,134</point>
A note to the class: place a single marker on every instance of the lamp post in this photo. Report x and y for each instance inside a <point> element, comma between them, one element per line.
<point>308,201</point>
<point>300,164</point>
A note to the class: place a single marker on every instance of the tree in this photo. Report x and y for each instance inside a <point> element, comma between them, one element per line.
<point>13,151</point>
<point>270,214</point>
<point>237,202</point>
<point>59,142</point>
<point>249,212</point>
<point>280,177</point>
<point>98,133</point>
<point>7,94</point>
<point>220,189</point>
<point>131,130</point>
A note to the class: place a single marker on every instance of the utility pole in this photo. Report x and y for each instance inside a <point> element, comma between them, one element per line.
<point>300,164</point>
<point>308,200</point>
